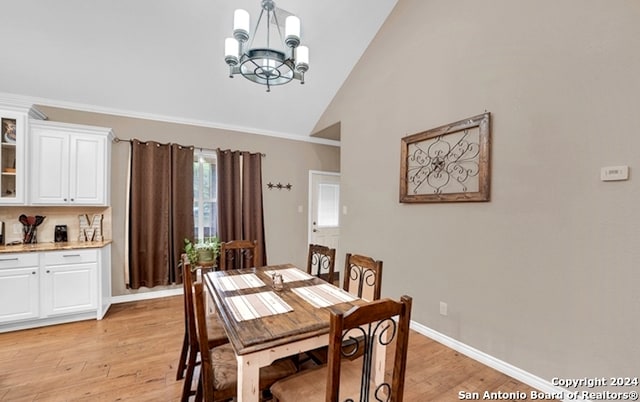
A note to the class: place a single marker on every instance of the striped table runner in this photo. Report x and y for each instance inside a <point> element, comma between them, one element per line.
<point>256,305</point>
<point>290,274</point>
<point>323,295</point>
<point>235,282</point>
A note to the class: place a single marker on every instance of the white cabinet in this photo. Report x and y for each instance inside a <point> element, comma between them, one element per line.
<point>14,120</point>
<point>53,287</point>
<point>69,282</point>
<point>70,164</point>
<point>19,287</point>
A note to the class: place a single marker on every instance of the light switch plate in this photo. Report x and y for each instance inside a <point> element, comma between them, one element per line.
<point>613,173</point>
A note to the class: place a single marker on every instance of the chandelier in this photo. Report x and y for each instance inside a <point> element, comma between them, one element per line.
<point>263,64</point>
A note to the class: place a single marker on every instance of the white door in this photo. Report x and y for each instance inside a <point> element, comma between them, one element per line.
<point>324,210</point>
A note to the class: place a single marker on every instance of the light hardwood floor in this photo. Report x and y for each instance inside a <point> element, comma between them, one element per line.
<point>132,355</point>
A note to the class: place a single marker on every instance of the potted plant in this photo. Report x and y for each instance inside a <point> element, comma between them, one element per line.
<point>204,252</point>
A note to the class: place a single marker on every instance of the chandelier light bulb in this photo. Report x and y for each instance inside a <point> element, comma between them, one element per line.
<point>268,65</point>
<point>292,31</point>
<point>302,58</point>
<point>231,51</point>
<point>241,22</point>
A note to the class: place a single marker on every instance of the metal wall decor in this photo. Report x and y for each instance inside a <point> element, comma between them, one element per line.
<point>279,186</point>
<point>450,163</point>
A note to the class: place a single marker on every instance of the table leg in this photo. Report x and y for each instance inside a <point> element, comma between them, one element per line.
<point>248,379</point>
<point>249,364</point>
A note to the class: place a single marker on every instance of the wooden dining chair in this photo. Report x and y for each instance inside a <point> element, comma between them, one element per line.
<point>219,371</point>
<point>321,262</point>
<point>235,254</point>
<point>345,379</point>
<point>362,276</point>
<point>190,347</point>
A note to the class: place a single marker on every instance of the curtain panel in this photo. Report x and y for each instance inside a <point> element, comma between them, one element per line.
<point>160,211</point>
<point>240,206</point>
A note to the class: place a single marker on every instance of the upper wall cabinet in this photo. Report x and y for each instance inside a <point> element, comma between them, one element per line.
<point>69,164</point>
<point>14,120</point>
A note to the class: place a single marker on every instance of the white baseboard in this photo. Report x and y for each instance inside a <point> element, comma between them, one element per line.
<point>145,296</point>
<point>497,364</point>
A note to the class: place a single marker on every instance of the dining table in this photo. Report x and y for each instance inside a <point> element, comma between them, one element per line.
<point>265,322</point>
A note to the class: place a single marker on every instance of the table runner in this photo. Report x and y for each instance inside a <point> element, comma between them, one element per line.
<point>323,295</point>
<point>290,274</point>
<point>256,305</point>
<point>235,282</point>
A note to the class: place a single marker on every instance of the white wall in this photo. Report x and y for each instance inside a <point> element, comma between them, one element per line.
<point>546,276</point>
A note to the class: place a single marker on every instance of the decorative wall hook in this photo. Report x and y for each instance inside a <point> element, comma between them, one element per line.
<point>279,186</point>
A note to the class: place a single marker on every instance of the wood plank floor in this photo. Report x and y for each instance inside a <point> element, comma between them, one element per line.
<point>132,355</point>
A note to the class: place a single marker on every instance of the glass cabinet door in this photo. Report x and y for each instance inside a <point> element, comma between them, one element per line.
<point>11,151</point>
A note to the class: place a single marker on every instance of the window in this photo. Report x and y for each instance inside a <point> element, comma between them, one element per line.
<point>328,205</point>
<point>205,194</point>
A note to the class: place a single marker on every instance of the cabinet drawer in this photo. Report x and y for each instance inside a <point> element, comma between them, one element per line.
<point>18,260</point>
<point>70,257</point>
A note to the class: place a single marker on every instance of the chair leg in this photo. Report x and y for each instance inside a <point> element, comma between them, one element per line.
<point>199,389</point>
<point>188,378</point>
<point>183,357</point>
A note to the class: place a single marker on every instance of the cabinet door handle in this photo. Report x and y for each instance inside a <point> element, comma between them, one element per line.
<point>65,200</point>
<point>33,273</point>
<point>72,200</point>
<point>48,271</point>
<point>9,259</point>
<point>70,255</point>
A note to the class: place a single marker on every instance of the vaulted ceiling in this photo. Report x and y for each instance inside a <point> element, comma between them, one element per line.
<point>164,59</point>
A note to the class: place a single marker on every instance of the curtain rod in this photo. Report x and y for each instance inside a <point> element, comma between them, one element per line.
<point>117,140</point>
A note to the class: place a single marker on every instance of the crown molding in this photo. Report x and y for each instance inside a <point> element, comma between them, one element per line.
<point>20,104</point>
<point>28,100</point>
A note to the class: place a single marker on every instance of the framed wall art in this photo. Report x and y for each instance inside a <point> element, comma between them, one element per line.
<point>450,163</point>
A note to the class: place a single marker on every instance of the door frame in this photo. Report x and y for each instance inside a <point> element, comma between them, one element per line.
<point>310,198</point>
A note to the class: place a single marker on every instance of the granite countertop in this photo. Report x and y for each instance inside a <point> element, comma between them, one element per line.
<point>71,245</point>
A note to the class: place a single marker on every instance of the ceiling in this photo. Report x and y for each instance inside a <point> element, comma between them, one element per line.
<point>164,59</point>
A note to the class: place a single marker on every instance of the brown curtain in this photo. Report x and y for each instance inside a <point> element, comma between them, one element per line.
<point>240,211</point>
<point>181,206</point>
<point>161,211</point>
<point>252,213</point>
<point>229,196</point>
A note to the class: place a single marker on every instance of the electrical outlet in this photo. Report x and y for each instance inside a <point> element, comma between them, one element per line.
<point>443,308</point>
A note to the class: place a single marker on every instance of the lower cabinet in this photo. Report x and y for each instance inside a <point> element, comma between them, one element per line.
<point>51,287</point>
<point>19,287</point>
<point>69,282</point>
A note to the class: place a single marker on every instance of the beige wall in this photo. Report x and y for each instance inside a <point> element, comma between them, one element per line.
<point>287,161</point>
<point>546,276</point>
